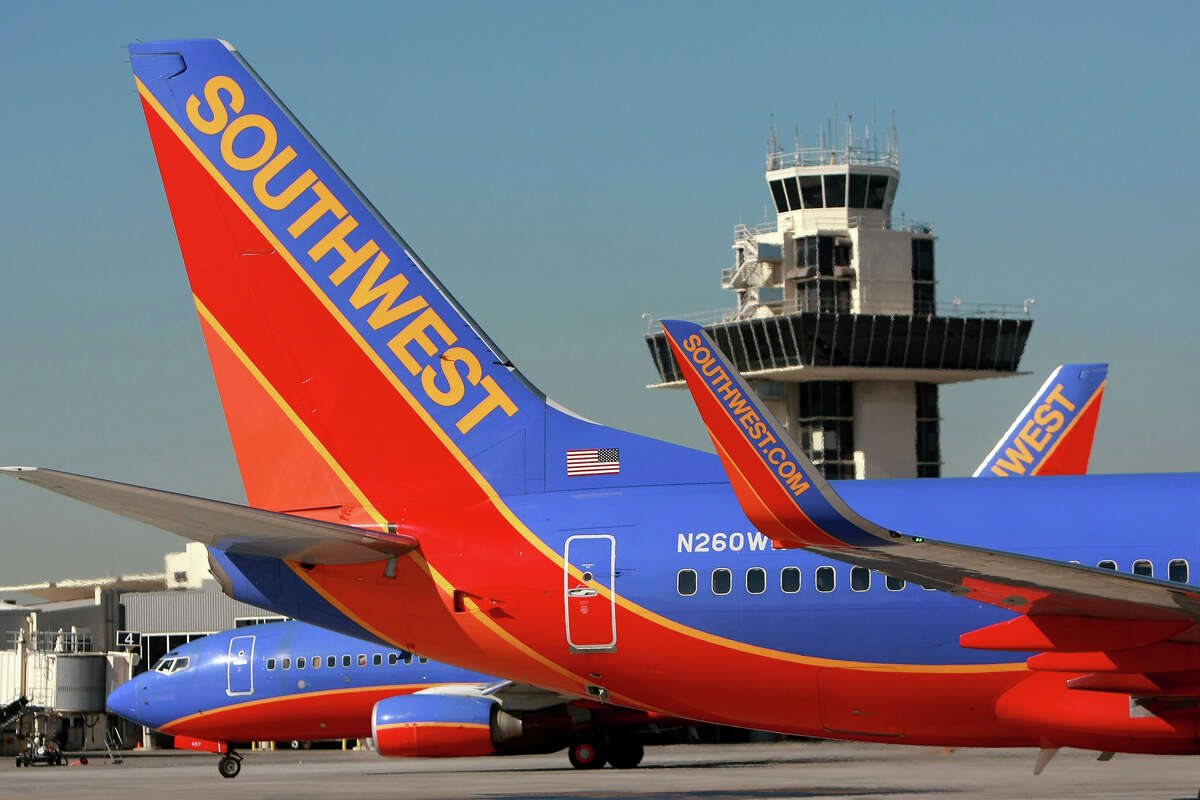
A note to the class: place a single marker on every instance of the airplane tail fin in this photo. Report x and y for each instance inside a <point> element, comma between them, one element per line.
<point>348,374</point>
<point>1054,434</point>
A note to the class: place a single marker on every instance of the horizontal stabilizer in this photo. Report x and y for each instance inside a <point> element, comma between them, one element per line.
<point>228,526</point>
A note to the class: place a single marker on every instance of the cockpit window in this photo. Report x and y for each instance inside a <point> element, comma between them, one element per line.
<point>169,663</point>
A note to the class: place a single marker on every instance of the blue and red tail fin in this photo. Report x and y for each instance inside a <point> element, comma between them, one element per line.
<point>347,371</point>
<point>1054,434</point>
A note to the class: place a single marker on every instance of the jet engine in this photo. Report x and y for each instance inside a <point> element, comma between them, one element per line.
<point>438,725</point>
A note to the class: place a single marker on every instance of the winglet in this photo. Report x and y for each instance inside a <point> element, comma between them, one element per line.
<point>778,487</point>
<point>1054,434</point>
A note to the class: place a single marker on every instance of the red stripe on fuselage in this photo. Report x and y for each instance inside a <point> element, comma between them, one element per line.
<point>339,714</point>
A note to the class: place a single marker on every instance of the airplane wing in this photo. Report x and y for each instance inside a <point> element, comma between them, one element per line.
<point>1078,618</point>
<point>228,526</point>
<point>1054,434</point>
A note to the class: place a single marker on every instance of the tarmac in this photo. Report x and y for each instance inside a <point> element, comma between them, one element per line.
<point>682,772</point>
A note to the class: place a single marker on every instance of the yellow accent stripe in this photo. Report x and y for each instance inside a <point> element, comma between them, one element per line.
<point>309,436</point>
<point>397,688</point>
<point>446,442</point>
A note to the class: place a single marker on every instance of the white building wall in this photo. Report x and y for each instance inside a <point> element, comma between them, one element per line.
<point>10,676</point>
<point>885,429</point>
<point>883,262</point>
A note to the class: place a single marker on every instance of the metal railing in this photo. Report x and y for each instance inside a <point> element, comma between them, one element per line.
<point>741,231</point>
<point>847,155</point>
<point>956,308</point>
<point>52,641</point>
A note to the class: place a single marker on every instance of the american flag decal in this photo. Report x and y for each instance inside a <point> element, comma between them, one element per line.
<point>605,461</point>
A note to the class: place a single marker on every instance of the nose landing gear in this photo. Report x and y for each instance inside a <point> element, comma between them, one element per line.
<point>230,764</point>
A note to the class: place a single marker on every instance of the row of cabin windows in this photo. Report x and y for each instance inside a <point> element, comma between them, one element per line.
<point>825,578</point>
<point>302,662</point>
<point>805,191</point>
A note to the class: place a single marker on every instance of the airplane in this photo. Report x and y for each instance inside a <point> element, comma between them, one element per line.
<point>407,483</point>
<point>333,693</point>
<point>289,680</point>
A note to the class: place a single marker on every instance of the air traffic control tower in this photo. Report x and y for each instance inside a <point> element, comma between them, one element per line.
<point>837,324</point>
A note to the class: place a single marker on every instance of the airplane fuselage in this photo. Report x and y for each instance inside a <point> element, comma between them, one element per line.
<point>858,660</point>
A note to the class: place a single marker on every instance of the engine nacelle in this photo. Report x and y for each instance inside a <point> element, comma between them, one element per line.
<point>438,725</point>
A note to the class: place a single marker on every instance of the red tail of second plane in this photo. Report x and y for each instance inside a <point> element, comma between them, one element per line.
<point>1053,435</point>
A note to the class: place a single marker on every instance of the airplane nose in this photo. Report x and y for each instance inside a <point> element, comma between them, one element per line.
<point>123,700</point>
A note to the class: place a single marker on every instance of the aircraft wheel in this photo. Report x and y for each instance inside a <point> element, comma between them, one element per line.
<point>586,755</point>
<point>19,764</point>
<point>626,755</point>
<point>229,767</point>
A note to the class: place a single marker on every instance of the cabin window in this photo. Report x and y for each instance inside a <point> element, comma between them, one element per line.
<point>377,660</point>
<point>722,581</point>
<point>301,662</point>
<point>685,582</point>
<point>270,664</point>
<point>346,661</point>
<point>423,659</point>
<point>1177,571</point>
<point>810,191</point>
<point>331,662</point>
<point>793,193</point>
<point>393,659</point>
<point>286,664</point>
<point>780,199</point>
<point>407,657</point>
<point>858,191</point>
<point>835,191</point>
<point>316,662</point>
<point>894,584</point>
<point>756,580</point>
<point>362,659</point>
<point>826,579</point>
<point>1143,567</point>
<point>789,579</point>
<point>860,579</point>
<point>877,191</point>
<point>1107,564</point>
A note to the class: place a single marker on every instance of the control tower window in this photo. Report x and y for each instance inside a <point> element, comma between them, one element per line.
<point>877,191</point>
<point>929,451</point>
<point>858,191</point>
<point>922,275</point>
<point>780,198</point>
<point>810,190</point>
<point>793,193</point>
<point>835,191</point>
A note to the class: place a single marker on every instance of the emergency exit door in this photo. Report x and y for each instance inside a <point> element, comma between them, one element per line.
<point>240,667</point>
<point>589,588</point>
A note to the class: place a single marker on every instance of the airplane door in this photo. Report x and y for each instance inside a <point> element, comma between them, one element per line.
<point>590,596</point>
<point>240,666</point>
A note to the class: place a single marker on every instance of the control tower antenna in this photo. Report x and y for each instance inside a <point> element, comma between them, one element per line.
<point>836,322</point>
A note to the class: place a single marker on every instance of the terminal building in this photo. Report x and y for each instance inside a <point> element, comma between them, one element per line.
<point>837,325</point>
<point>64,653</point>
